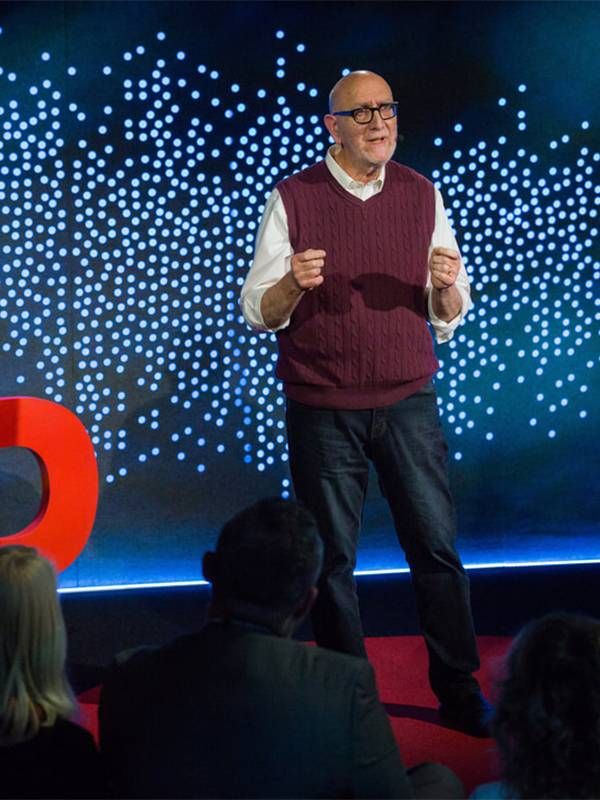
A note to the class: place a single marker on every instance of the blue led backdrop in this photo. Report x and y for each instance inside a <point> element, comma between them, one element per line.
<point>138,143</point>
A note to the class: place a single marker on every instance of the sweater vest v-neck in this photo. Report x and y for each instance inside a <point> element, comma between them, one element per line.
<point>361,339</point>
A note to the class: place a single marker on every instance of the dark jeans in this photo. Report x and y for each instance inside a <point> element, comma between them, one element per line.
<point>329,458</point>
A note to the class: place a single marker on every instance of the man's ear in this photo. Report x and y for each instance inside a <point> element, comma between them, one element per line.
<point>331,124</point>
<point>209,566</point>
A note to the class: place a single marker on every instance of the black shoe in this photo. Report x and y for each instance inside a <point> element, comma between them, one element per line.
<point>470,714</point>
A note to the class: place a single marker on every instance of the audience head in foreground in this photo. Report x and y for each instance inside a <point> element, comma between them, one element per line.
<point>42,753</point>
<point>266,565</point>
<point>239,709</point>
<point>547,721</point>
<point>34,689</point>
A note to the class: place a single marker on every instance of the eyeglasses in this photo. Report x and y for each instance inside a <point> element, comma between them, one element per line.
<point>364,114</point>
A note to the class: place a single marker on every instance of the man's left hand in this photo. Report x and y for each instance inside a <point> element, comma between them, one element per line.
<point>444,265</point>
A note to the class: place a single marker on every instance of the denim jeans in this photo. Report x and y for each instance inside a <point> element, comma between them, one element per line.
<point>330,452</point>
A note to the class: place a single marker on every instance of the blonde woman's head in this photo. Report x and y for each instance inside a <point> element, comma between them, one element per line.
<point>33,688</point>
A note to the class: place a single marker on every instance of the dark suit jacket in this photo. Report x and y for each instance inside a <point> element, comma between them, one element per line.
<point>236,712</point>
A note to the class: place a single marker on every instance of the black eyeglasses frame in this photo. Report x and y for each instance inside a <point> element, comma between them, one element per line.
<point>353,111</point>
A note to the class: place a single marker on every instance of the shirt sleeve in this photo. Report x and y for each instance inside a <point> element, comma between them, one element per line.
<point>443,236</point>
<point>378,770</point>
<point>272,259</point>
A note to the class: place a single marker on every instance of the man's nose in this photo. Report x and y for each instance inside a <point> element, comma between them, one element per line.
<point>377,121</point>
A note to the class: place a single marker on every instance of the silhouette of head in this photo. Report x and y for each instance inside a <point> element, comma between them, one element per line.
<point>547,720</point>
<point>266,564</point>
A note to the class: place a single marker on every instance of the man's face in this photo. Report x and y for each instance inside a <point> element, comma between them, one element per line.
<point>364,148</point>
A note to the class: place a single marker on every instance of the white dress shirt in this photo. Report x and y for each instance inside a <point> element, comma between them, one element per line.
<point>273,252</point>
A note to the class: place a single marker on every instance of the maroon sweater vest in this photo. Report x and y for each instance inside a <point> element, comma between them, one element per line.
<point>361,339</point>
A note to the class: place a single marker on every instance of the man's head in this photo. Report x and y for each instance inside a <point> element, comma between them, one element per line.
<point>266,564</point>
<point>362,149</point>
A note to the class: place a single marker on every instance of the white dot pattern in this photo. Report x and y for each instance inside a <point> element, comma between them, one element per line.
<point>125,244</point>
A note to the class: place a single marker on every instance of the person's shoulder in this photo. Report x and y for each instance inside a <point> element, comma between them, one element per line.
<point>132,660</point>
<point>81,773</point>
<point>344,660</point>
<point>68,734</point>
<point>400,172</point>
<point>325,662</point>
<point>311,653</point>
<point>147,661</point>
<point>68,727</point>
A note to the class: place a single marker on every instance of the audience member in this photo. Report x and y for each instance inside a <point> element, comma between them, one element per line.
<point>240,709</point>
<point>42,753</point>
<point>547,722</point>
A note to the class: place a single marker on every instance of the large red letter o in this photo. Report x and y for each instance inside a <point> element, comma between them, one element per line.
<point>66,458</point>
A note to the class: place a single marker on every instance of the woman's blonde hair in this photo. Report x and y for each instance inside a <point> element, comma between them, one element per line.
<point>34,690</point>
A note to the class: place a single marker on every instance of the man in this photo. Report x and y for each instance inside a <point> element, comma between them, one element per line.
<point>241,710</point>
<point>353,257</point>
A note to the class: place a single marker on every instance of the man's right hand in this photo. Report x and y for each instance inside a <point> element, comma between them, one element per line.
<point>280,300</point>
<point>307,268</point>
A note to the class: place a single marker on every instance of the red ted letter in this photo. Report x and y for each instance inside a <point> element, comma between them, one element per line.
<point>67,462</point>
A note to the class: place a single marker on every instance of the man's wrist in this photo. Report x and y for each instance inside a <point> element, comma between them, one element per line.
<point>295,283</point>
<point>446,303</point>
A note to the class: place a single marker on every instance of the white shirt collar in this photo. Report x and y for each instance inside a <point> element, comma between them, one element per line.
<point>348,182</point>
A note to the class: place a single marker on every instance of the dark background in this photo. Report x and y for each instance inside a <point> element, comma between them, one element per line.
<point>123,249</point>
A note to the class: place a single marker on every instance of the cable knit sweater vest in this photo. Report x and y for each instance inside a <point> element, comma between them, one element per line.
<point>361,339</point>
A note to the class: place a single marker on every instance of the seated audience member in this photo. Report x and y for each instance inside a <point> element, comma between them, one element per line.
<point>42,753</point>
<point>240,709</point>
<point>547,721</point>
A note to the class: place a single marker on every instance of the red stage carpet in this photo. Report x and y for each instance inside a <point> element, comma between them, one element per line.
<point>400,663</point>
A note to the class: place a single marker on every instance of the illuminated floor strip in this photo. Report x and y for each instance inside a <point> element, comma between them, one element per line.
<point>391,571</point>
<point>491,565</point>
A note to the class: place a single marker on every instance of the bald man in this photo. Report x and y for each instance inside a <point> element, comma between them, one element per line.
<point>354,261</point>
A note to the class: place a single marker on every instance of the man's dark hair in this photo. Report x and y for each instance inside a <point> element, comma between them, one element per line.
<point>268,555</point>
<point>547,720</point>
